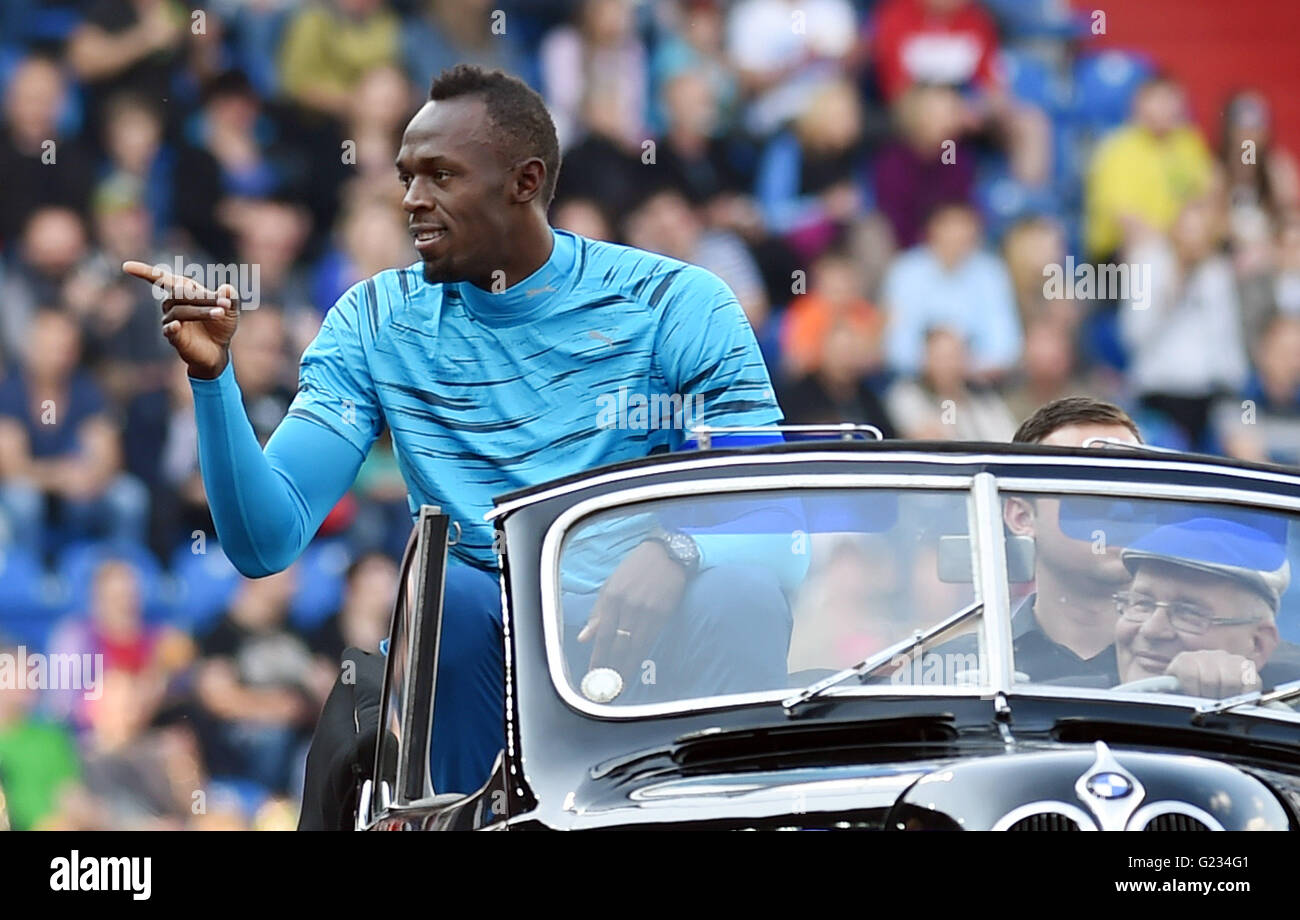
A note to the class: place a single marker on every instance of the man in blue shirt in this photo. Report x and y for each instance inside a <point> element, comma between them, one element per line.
<point>493,361</point>
<point>951,282</point>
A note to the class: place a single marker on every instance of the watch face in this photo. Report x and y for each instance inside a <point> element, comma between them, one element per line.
<point>683,549</point>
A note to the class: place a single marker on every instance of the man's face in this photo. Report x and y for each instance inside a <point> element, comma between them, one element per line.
<point>1094,562</point>
<point>665,224</point>
<point>117,601</point>
<point>1160,108</point>
<point>1146,649</point>
<point>53,347</point>
<point>1091,561</point>
<point>33,99</point>
<point>954,235</point>
<point>457,191</point>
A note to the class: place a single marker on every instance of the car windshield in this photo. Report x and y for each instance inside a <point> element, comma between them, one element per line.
<point>789,587</point>
<point>681,599</point>
<point>1154,595</point>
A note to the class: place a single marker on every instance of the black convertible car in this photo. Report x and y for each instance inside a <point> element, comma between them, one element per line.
<point>882,636</point>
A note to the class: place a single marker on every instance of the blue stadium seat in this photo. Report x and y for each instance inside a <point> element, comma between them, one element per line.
<point>1003,200</point>
<point>50,23</point>
<point>1104,84</point>
<point>320,573</point>
<point>26,616</point>
<point>1031,80</point>
<point>1037,18</point>
<point>205,585</point>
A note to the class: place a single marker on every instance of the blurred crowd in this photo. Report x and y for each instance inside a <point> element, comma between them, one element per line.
<point>884,184</point>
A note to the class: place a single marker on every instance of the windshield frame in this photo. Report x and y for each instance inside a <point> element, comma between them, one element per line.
<point>552,546</point>
<point>985,493</point>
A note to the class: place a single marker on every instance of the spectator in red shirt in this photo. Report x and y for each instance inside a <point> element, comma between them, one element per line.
<point>949,42</point>
<point>954,43</point>
<point>115,630</point>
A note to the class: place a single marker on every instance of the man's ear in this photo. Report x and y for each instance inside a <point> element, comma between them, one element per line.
<point>529,177</point>
<point>1018,514</point>
<point>1266,642</point>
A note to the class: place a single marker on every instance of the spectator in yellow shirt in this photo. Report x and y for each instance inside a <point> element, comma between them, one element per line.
<point>1143,173</point>
<point>329,46</point>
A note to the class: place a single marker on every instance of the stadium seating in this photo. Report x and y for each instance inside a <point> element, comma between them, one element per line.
<point>1104,84</point>
<point>320,573</point>
<point>205,584</point>
<point>26,615</point>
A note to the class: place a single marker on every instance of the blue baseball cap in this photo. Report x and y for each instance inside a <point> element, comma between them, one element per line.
<point>1253,556</point>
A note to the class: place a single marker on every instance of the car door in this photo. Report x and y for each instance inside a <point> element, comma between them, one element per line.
<point>401,770</point>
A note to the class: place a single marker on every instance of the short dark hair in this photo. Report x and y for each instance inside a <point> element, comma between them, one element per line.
<point>519,117</point>
<point>1072,410</point>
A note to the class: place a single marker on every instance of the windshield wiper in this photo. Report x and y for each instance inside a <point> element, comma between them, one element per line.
<point>1279,694</point>
<point>882,657</point>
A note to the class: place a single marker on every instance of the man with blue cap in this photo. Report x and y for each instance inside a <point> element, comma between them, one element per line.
<point>1203,604</point>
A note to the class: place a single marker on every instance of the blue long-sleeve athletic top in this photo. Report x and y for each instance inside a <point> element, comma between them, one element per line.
<point>605,353</point>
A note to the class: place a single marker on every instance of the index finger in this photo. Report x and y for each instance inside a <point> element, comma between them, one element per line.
<point>182,288</point>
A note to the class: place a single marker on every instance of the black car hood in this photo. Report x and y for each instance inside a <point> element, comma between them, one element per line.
<point>987,786</point>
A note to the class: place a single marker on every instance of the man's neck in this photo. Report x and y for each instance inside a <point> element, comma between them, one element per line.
<point>531,249</point>
<point>688,143</point>
<point>1079,616</point>
<point>47,384</point>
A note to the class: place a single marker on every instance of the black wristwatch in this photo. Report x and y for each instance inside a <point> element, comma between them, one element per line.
<point>681,548</point>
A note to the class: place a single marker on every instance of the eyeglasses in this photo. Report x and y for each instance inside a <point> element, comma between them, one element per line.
<point>1184,617</point>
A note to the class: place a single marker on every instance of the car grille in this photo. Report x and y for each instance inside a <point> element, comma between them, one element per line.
<point>1172,821</point>
<point>1046,821</point>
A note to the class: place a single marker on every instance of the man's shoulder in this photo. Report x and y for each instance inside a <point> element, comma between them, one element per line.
<point>385,294</point>
<point>638,274</point>
<point>396,284</point>
<point>911,266</point>
<point>983,265</point>
<point>1124,141</point>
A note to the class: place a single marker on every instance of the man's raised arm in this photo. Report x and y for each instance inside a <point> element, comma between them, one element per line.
<point>267,505</point>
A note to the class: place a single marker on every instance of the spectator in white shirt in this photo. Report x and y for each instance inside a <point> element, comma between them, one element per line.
<point>1184,338</point>
<point>785,50</point>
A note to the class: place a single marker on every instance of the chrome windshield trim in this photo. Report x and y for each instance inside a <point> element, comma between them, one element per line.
<point>990,547</point>
<point>550,584</point>
<point>1139,461</point>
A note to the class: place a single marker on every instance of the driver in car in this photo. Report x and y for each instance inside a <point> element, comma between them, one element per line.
<point>1202,608</point>
<point>1064,630</point>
